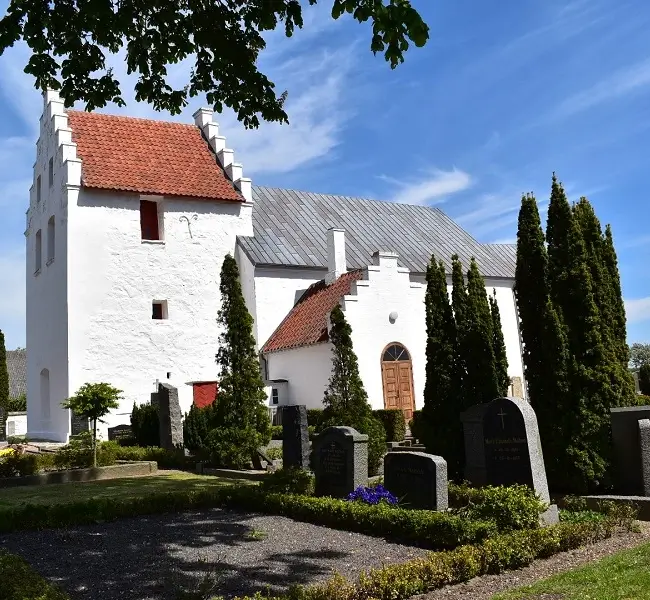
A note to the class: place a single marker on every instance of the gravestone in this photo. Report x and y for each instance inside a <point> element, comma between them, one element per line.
<point>119,432</point>
<point>340,461</point>
<point>626,437</point>
<point>170,417</point>
<point>417,479</point>
<point>78,424</point>
<point>3,425</point>
<point>503,447</point>
<point>644,447</point>
<point>295,437</point>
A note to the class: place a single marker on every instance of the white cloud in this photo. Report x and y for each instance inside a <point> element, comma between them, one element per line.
<point>508,240</point>
<point>433,188</point>
<point>637,310</point>
<point>491,213</point>
<point>622,83</point>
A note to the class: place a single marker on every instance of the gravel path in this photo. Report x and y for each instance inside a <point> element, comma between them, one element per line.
<point>483,588</point>
<point>143,558</point>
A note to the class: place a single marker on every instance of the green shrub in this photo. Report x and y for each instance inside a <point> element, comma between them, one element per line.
<point>376,433</point>
<point>21,582</point>
<point>15,464</point>
<point>644,379</point>
<point>78,453</point>
<point>417,425</point>
<point>145,425</point>
<point>583,516</point>
<point>394,423</point>
<point>276,432</point>
<point>231,447</point>
<point>510,507</point>
<point>166,459</point>
<point>289,481</point>
<point>314,416</point>
<point>195,429</point>
<point>274,453</point>
<point>17,404</point>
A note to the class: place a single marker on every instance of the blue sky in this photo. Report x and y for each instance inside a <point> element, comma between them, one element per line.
<point>503,94</point>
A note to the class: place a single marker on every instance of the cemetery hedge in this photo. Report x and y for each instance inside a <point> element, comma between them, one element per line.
<point>21,582</point>
<point>393,422</point>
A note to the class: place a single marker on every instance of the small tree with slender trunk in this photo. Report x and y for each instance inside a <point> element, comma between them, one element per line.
<point>94,401</point>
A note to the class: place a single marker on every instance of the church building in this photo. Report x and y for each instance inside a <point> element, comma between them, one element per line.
<point>128,224</point>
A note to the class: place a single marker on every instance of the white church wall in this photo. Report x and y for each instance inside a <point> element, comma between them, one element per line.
<point>55,180</point>
<point>276,292</point>
<point>114,277</point>
<point>307,371</point>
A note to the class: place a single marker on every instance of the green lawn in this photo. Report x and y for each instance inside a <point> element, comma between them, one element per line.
<point>132,487</point>
<point>623,576</point>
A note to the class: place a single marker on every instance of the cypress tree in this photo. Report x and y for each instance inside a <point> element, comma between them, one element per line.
<point>346,400</point>
<point>4,374</point>
<point>479,360</point>
<point>644,379</point>
<point>545,351</point>
<point>442,432</point>
<point>459,303</point>
<point>241,419</point>
<point>499,347</point>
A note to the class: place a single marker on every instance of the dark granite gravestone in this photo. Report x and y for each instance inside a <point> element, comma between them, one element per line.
<point>169,413</point>
<point>628,473</point>
<point>644,447</point>
<point>3,425</point>
<point>295,437</point>
<point>120,432</point>
<point>502,447</point>
<point>340,461</point>
<point>78,424</point>
<point>419,480</point>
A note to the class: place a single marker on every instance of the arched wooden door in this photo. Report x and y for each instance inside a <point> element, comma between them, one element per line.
<point>397,379</point>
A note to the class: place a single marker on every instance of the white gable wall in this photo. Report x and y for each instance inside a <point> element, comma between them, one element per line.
<point>114,278</point>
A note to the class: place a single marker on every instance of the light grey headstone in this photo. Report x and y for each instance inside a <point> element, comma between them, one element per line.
<point>628,478</point>
<point>169,412</point>
<point>644,450</point>
<point>419,480</point>
<point>503,447</point>
<point>295,437</point>
<point>339,461</point>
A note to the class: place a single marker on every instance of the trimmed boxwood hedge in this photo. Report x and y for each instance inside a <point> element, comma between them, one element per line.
<point>18,581</point>
<point>394,424</point>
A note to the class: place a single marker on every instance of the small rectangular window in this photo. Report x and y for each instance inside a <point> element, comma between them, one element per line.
<point>275,396</point>
<point>149,220</point>
<point>50,240</point>
<point>38,189</point>
<point>37,252</point>
<point>50,172</point>
<point>159,309</point>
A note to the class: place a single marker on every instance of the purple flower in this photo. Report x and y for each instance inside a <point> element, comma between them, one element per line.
<point>372,495</point>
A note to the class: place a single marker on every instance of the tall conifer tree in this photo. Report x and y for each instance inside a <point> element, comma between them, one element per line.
<point>499,347</point>
<point>441,413</point>
<point>618,306</point>
<point>479,358</point>
<point>459,304</point>
<point>4,374</point>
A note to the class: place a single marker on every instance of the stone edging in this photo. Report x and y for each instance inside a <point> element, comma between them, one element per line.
<point>127,469</point>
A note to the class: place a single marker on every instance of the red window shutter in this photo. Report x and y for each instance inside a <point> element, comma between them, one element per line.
<point>149,220</point>
<point>205,393</point>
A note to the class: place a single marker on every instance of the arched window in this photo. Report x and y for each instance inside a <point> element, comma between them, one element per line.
<point>50,240</point>
<point>395,352</point>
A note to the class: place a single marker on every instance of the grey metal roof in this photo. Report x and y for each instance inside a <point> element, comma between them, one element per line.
<point>290,229</point>
<point>17,368</point>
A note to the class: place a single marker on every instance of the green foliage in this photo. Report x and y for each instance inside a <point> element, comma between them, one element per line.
<point>421,575</point>
<point>78,453</point>
<point>644,379</point>
<point>481,383</point>
<point>4,374</point>
<point>394,424</point>
<point>314,415</point>
<point>145,425</point>
<point>583,516</point>
<point>69,45</point>
<point>17,404</point>
<point>346,402</point>
<point>166,459</point>
<point>195,429</point>
<point>510,507</point>
<point>499,347</point>
<point>21,582</point>
<point>94,401</point>
<point>639,355</point>
<point>239,419</point>
<point>15,464</point>
<point>439,428</point>
<point>276,432</point>
<point>459,305</point>
<point>289,481</point>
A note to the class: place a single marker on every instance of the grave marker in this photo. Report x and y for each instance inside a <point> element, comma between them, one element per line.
<point>628,448</point>
<point>169,413</point>
<point>644,448</point>
<point>295,437</point>
<point>3,424</point>
<point>119,432</point>
<point>340,461</point>
<point>419,480</point>
<point>502,447</point>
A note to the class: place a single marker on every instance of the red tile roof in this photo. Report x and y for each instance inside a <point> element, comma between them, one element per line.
<point>146,156</point>
<point>306,323</point>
